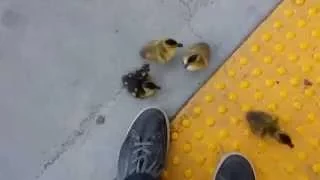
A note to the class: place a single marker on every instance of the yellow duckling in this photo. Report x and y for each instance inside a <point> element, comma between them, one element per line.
<point>197,57</point>
<point>262,124</point>
<point>161,51</point>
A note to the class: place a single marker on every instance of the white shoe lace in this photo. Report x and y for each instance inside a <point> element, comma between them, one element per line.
<point>142,152</point>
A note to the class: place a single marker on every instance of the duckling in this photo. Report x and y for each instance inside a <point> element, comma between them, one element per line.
<point>197,57</point>
<point>161,51</point>
<point>139,84</point>
<point>262,124</point>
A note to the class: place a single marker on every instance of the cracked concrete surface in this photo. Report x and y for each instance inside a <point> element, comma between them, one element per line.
<point>60,67</point>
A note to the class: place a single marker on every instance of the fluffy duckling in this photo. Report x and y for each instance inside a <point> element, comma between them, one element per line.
<point>139,84</point>
<point>161,51</point>
<point>263,124</point>
<point>197,57</point>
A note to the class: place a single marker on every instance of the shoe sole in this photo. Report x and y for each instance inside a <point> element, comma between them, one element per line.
<point>224,157</point>
<point>167,123</point>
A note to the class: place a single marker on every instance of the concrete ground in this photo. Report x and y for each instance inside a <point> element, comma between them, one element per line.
<point>61,63</point>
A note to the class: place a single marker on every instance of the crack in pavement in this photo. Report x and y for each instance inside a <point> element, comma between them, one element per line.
<point>191,11</point>
<point>193,31</point>
<point>84,127</point>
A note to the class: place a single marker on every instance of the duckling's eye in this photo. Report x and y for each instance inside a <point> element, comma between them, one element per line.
<point>192,58</point>
<point>171,42</point>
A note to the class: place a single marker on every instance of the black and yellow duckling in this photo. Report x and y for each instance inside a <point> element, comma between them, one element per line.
<point>161,51</point>
<point>139,84</point>
<point>262,124</point>
<point>197,57</point>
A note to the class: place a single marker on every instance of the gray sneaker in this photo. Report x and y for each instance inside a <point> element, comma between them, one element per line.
<point>145,147</point>
<point>234,166</point>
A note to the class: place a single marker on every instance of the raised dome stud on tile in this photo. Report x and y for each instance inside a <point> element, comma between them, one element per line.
<point>199,135</point>
<point>223,133</point>
<point>302,156</point>
<point>209,98</point>
<point>246,132</point>
<point>231,73</point>
<point>300,129</point>
<point>246,107</point>
<point>313,11</point>
<point>304,45</point>
<point>316,168</point>
<point>306,68</point>
<point>289,168</point>
<point>290,35</point>
<point>222,109</point>
<point>315,33</point>
<point>267,59</point>
<point>187,147</point>
<point>316,56</point>
<point>201,160</point>
<point>293,57</point>
<point>309,92</point>
<point>234,121</point>
<point>175,160</point>
<point>299,2</point>
<point>220,86</point>
<point>197,110</point>
<point>174,136</point>
<point>303,177</point>
<point>286,119</point>
<point>311,117</point>
<point>272,107</point>
<point>243,61</point>
<point>294,81</point>
<point>266,37</point>
<point>210,121</point>
<point>314,142</point>
<point>277,25</point>
<point>297,105</point>
<point>186,123</point>
<point>318,80</point>
<point>212,147</point>
<point>164,174</point>
<point>275,157</point>
<point>301,23</point>
<point>236,145</point>
<point>270,82</point>
<point>258,95</point>
<point>288,12</point>
<point>256,72</point>
<point>255,48</point>
<point>261,145</point>
<point>232,96</point>
<point>283,94</point>
<point>188,173</point>
<point>244,84</point>
<point>281,70</point>
<point>279,47</point>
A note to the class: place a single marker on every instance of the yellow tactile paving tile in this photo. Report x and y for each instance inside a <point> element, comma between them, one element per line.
<point>276,70</point>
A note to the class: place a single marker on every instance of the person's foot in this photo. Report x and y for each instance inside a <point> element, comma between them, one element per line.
<point>234,166</point>
<point>145,147</point>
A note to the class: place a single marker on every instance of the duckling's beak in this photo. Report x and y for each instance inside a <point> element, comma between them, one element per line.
<point>179,45</point>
